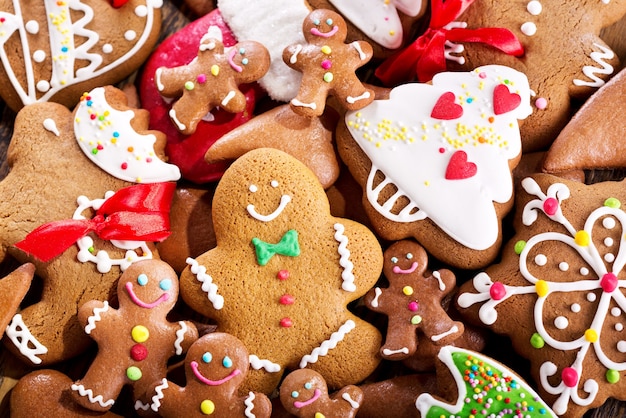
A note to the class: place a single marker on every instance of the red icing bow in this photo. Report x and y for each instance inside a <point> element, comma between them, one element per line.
<point>425,57</point>
<point>134,213</point>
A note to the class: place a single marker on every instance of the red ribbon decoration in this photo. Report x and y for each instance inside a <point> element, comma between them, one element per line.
<point>134,213</point>
<point>425,56</point>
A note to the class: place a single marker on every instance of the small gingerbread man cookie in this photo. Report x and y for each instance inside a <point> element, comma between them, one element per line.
<point>212,79</point>
<point>304,394</point>
<point>215,367</point>
<point>328,65</point>
<point>134,341</point>
<point>413,301</point>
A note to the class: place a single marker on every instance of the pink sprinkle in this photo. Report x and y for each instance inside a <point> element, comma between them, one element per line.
<point>326,64</point>
<point>201,78</point>
<point>497,291</point>
<point>124,166</point>
<point>569,377</point>
<point>441,150</point>
<point>413,306</point>
<point>148,160</point>
<point>482,75</point>
<point>541,103</point>
<point>550,206</point>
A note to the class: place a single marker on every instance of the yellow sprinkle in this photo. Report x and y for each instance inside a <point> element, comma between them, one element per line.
<point>582,238</point>
<point>407,290</point>
<point>215,69</point>
<point>591,335</point>
<point>541,287</point>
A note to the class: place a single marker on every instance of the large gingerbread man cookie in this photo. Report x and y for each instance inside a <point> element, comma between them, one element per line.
<point>328,65</point>
<point>215,366</point>
<point>284,271</point>
<point>72,178</point>
<point>413,301</point>
<point>136,340</point>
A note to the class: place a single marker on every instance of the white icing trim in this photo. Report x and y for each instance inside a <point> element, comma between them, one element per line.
<point>284,200</point>
<point>93,399</point>
<point>95,317</point>
<point>158,396</point>
<point>389,352</point>
<point>208,286</point>
<point>377,292</point>
<point>346,275</point>
<point>180,337</point>
<point>451,331</point>
<point>335,338</point>
<point>591,71</point>
<point>23,339</point>
<point>257,363</point>
<point>249,402</point>
<point>346,397</point>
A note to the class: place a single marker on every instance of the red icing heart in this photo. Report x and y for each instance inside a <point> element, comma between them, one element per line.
<point>503,100</point>
<point>458,167</point>
<point>445,108</point>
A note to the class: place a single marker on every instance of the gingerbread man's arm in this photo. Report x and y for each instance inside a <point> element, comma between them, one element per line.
<point>186,334</point>
<point>258,404</point>
<point>92,313</point>
<point>291,56</point>
<point>167,398</point>
<point>364,52</point>
<point>352,396</point>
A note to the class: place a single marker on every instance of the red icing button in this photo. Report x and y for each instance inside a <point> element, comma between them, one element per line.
<point>608,282</point>
<point>550,206</point>
<point>286,322</point>
<point>282,275</point>
<point>569,377</point>
<point>138,352</point>
<point>497,291</point>
<point>287,299</point>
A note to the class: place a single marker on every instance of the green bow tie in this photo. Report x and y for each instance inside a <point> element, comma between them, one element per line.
<point>288,245</point>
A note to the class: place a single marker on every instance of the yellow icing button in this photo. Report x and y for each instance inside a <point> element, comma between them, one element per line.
<point>140,333</point>
<point>582,238</point>
<point>591,335</point>
<point>319,415</point>
<point>207,407</point>
<point>326,50</point>
<point>407,290</point>
<point>541,287</point>
<point>215,69</point>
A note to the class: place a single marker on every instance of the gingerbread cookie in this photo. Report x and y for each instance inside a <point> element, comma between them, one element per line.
<point>328,65</point>
<point>435,161</point>
<point>13,288</point>
<point>304,393</point>
<point>215,367</point>
<point>413,301</point>
<point>211,79</point>
<point>90,160</point>
<point>134,341</point>
<point>562,66</point>
<point>395,397</point>
<point>54,51</point>
<point>557,292</point>
<point>273,226</point>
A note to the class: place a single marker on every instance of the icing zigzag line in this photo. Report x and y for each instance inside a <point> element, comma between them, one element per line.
<point>156,399</point>
<point>208,286</point>
<point>89,393</point>
<point>591,71</point>
<point>180,336</point>
<point>347,276</point>
<point>329,344</point>
<point>249,402</point>
<point>91,321</point>
<point>257,363</point>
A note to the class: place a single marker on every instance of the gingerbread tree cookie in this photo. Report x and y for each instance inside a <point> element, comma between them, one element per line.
<point>328,65</point>
<point>284,271</point>
<point>211,80</point>
<point>413,301</point>
<point>136,340</point>
<point>304,393</point>
<point>215,366</point>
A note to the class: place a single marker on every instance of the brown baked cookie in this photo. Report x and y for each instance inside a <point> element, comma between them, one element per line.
<point>13,288</point>
<point>215,366</point>
<point>413,301</point>
<point>304,393</point>
<point>56,50</point>
<point>136,340</point>
<point>557,292</point>
<point>58,185</point>
<point>563,56</point>
<point>593,138</point>
<point>309,139</point>
<point>285,266</point>
<point>435,160</point>
<point>47,393</point>
<point>328,65</point>
<point>211,79</point>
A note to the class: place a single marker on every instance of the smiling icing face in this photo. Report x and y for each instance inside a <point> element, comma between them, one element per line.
<point>218,360</point>
<point>148,290</point>
<point>284,200</point>
<point>302,389</point>
<point>448,148</point>
<point>322,25</point>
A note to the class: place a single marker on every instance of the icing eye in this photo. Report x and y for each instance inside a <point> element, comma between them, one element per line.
<point>142,279</point>
<point>165,284</point>
<point>227,362</point>
<point>244,61</point>
<point>253,188</point>
<point>308,385</point>
<point>409,256</point>
<point>274,183</point>
<point>242,51</point>
<point>329,22</point>
<point>207,357</point>
<point>316,22</point>
<point>394,260</point>
<point>295,394</point>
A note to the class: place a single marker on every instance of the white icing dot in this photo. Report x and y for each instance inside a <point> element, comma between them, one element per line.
<point>619,327</point>
<point>274,183</point>
<point>584,271</point>
<point>130,35</point>
<point>609,258</point>
<point>575,307</point>
<point>561,322</point>
<point>621,346</point>
<point>50,125</point>
<point>608,241</point>
<point>253,188</point>
<point>43,86</point>
<point>32,26</point>
<point>616,311</point>
<point>107,48</point>
<point>39,55</point>
<point>529,29</point>
<point>608,223</point>
<point>591,297</point>
<point>534,7</point>
<point>141,10</point>
<point>563,266</point>
<point>541,260</point>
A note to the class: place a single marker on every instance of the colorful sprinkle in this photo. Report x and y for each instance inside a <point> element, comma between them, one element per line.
<point>207,407</point>
<point>133,373</point>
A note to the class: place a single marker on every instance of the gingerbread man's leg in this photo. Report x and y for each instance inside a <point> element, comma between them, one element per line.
<point>438,326</point>
<point>352,94</point>
<point>98,394</point>
<point>311,99</point>
<point>401,341</point>
<point>187,112</point>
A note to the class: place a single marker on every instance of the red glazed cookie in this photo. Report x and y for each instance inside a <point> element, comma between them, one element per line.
<point>56,50</point>
<point>304,393</point>
<point>413,301</point>
<point>211,79</point>
<point>79,264</point>
<point>273,226</point>
<point>134,341</point>
<point>328,65</point>
<point>215,367</point>
<point>435,160</point>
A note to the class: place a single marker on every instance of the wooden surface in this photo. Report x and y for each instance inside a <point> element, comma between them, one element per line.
<point>177,15</point>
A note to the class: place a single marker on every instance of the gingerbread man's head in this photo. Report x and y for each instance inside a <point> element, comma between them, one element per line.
<point>404,257</point>
<point>323,26</point>
<point>156,290</point>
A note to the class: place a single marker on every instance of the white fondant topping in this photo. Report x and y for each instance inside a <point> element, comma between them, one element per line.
<point>529,28</point>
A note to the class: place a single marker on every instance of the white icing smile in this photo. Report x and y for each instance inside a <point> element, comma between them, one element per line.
<point>284,200</point>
